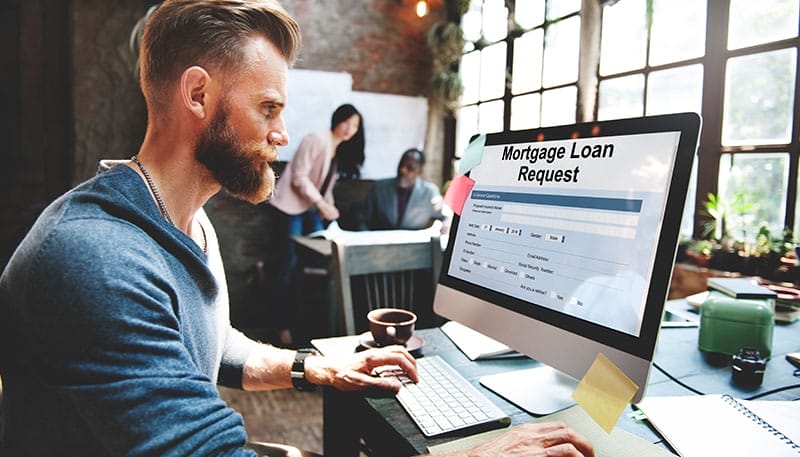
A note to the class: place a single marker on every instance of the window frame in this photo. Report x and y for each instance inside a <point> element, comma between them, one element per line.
<point>714,63</point>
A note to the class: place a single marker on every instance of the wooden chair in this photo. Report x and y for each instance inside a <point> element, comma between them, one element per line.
<point>382,276</point>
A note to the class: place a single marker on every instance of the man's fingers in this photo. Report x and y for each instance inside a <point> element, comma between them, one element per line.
<point>565,450</point>
<point>392,355</point>
<point>355,380</point>
<point>558,435</point>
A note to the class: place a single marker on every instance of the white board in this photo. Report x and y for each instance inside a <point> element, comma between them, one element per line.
<point>313,96</point>
<point>392,123</point>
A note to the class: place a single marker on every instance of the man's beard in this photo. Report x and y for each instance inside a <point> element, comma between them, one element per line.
<point>241,169</point>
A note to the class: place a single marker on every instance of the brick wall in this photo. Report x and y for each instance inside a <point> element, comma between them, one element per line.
<point>380,42</point>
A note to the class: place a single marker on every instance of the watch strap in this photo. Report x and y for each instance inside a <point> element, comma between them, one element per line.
<point>298,372</point>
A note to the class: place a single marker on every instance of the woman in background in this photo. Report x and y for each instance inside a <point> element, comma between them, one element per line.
<point>303,199</point>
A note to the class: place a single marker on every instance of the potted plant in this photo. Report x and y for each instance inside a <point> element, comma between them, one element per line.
<point>764,255</point>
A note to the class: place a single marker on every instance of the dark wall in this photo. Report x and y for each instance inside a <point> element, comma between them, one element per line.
<point>77,100</point>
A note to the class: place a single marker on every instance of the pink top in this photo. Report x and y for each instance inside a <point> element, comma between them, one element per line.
<point>298,186</point>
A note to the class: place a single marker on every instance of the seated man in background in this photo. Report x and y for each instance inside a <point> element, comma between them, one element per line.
<point>406,201</point>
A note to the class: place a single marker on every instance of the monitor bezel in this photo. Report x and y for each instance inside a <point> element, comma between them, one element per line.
<point>642,346</point>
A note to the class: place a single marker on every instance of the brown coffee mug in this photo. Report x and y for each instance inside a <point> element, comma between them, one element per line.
<point>391,325</point>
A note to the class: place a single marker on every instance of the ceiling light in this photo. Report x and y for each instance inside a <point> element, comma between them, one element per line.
<point>422,8</point>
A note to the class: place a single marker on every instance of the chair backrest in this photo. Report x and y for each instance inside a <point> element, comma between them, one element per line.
<point>384,275</point>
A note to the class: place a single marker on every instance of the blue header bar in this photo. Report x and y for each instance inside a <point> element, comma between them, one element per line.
<point>571,201</point>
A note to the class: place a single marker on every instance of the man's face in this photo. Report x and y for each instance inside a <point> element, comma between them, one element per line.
<point>408,170</point>
<point>241,168</point>
<point>240,141</point>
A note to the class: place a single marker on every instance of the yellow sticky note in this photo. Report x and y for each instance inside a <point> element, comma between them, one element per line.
<point>472,155</point>
<point>604,392</point>
<point>457,192</point>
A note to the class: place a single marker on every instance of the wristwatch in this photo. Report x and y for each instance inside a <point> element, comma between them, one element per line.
<point>299,380</point>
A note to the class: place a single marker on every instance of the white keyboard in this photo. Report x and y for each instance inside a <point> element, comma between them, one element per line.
<point>444,401</point>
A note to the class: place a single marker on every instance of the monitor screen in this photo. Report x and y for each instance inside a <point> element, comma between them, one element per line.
<point>565,244</point>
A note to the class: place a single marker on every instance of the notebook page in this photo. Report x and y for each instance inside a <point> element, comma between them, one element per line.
<point>704,425</point>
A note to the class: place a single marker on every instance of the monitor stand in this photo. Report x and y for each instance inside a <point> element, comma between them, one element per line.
<point>539,391</point>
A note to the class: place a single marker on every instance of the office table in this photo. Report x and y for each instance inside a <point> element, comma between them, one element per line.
<point>316,282</point>
<point>385,427</point>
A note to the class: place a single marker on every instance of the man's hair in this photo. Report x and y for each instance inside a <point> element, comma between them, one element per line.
<point>416,154</point>
<point>211,34</point>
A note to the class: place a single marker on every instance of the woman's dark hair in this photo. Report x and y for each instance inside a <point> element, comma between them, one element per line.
<point>350,153</point>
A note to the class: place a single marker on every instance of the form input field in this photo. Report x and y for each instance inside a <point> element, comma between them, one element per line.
<point>597,216</point>
<point>618,231</point>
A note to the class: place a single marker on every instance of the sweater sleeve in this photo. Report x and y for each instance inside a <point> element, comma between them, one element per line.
<point>105,334</point>
<point>310,151</point>
<point>237,349</point>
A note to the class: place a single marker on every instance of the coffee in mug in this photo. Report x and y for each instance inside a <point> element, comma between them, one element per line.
<point>391,325</point>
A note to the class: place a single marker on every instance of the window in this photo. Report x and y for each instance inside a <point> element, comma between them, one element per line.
<point>647,69</point>
<point>733,61</point>
<point>522,75</point>
<point>759,144</point>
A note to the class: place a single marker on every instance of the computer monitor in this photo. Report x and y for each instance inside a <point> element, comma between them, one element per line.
<point>565,245</point>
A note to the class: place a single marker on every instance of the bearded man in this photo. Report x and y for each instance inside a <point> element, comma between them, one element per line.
<point>114,319</point>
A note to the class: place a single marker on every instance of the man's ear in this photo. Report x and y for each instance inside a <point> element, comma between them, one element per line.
<point>194,86</point>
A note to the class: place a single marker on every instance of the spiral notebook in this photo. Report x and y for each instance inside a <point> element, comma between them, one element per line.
<point>704,425</point>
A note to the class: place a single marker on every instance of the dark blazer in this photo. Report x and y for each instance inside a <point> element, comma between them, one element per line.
<point>424,206</point>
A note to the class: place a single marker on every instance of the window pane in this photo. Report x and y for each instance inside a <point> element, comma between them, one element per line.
<point>525,112</point>
<point>529,13</point>
<point>527,70</point>
<point>621,98</point>
<point>796,236</point>
<point>675,90</point>
<point>753,22</point>
<point>490,117</point>
<point>561,52</point>
<point>495,20</point>
<point>624,37</point>
<point>688,16</point>
<point>471,22</point>
<point>470,70</point>
<point>466,126</point>
<point>560,8</point>
<point>764,197</point>
<point>759,95</point>
<point>493,71</point>
<point>558,106</point>
<point>687,220</point>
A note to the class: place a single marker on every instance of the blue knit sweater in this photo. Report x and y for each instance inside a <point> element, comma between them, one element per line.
<point>114,330</point>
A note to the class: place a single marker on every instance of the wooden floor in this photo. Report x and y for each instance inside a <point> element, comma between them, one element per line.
<point>282,416</point>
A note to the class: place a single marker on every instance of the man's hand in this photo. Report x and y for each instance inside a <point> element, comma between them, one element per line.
<point>327,211</point>
<point>535,439</point>
<point>354,371</point>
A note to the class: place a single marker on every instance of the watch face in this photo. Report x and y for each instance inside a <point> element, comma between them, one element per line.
<point>298,372</point>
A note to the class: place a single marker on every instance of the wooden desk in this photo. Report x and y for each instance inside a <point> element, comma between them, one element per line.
<point>315,284</point>
<point>386,429</point>
<point>317,246</point>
